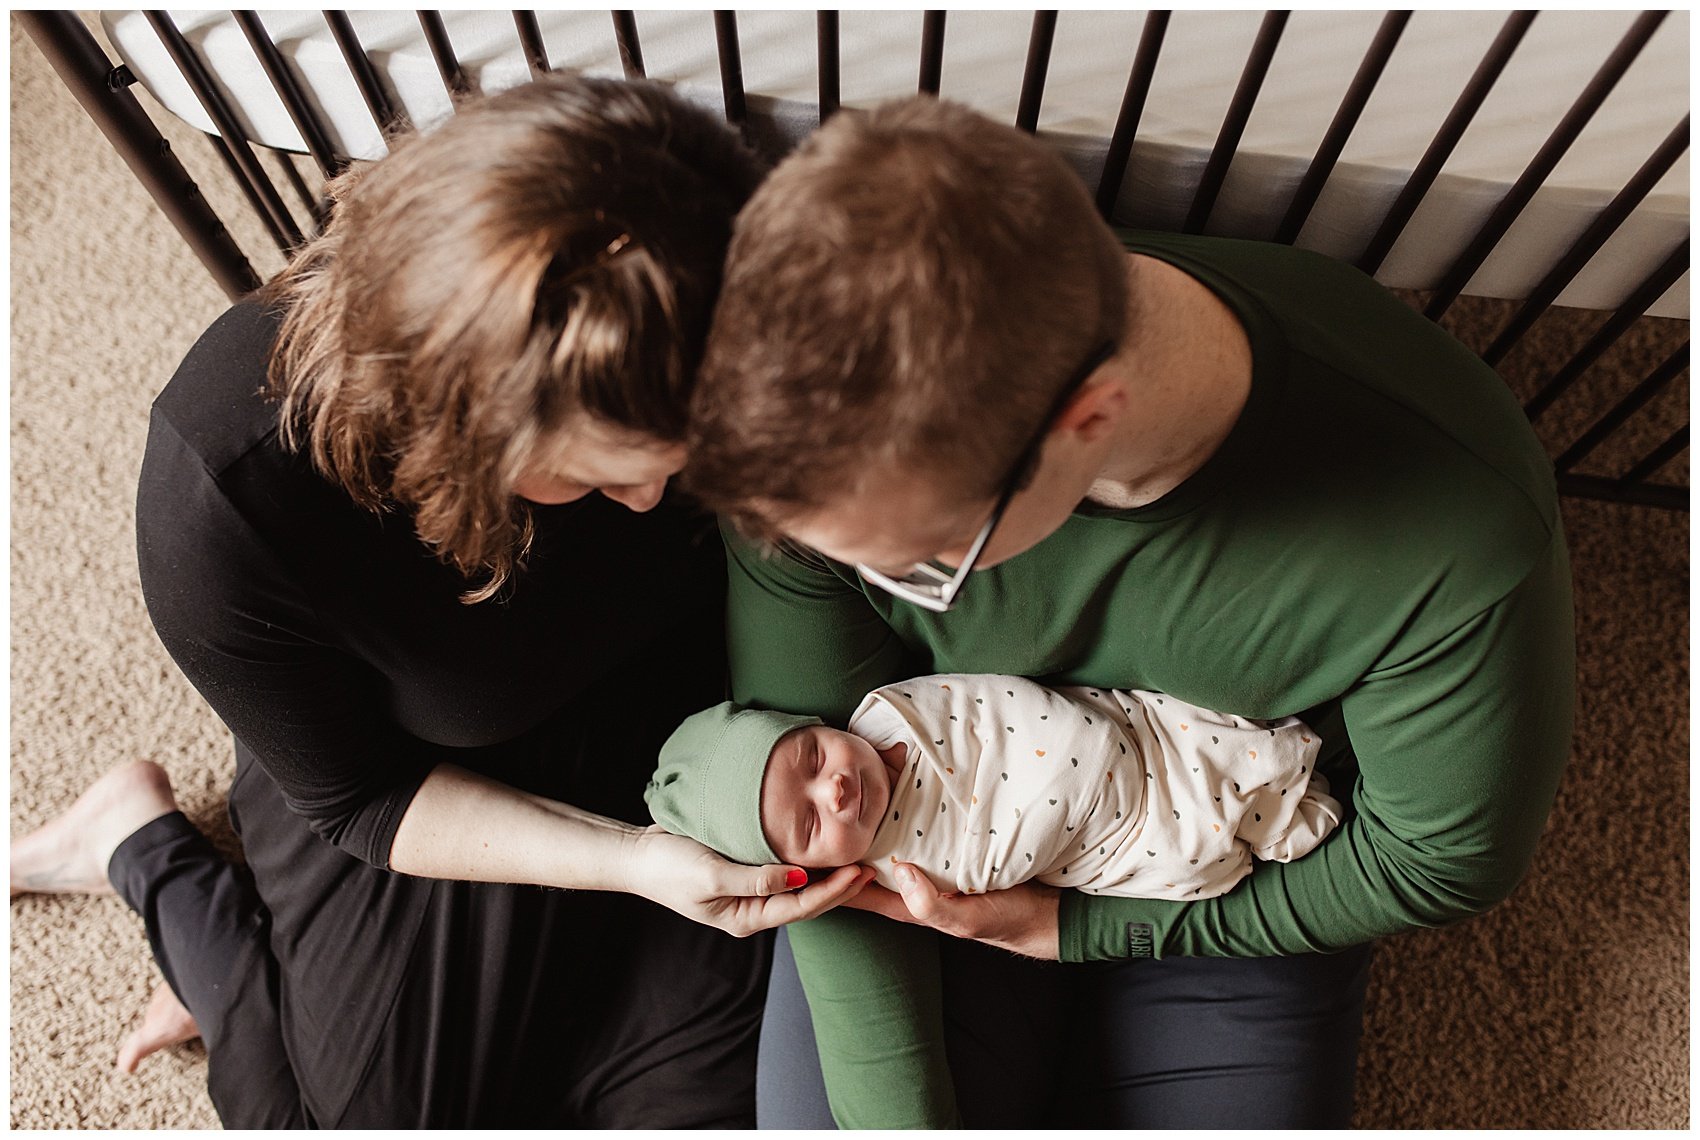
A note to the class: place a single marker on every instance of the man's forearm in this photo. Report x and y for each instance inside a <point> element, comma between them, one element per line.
<point>874,997</point>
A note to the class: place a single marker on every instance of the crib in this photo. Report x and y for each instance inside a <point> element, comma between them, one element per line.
<point>1536,158</point>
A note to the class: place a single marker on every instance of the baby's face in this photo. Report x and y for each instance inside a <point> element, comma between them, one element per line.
<point>823,796</point>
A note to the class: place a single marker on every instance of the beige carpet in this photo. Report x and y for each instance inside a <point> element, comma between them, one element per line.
<point>1566,1007</point>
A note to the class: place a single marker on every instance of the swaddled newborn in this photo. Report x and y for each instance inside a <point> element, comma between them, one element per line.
<point>986,781</point>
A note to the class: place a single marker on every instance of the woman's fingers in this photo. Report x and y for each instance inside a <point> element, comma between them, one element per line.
<point>685,876</point>
<point>776,880</point>
<point>794,906</point>
<point>782,879</point>
<point>818,898</point>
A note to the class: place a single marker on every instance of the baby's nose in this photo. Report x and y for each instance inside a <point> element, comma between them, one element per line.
<point>840,790</point>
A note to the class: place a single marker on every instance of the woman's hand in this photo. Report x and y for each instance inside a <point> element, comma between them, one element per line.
<point>1021,919</point>
<point>683,875</point>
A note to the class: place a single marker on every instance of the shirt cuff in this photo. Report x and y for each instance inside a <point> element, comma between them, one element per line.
<point>1102,929</point>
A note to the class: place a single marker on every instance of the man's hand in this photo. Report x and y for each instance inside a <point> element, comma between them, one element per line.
<point>1022,919</point>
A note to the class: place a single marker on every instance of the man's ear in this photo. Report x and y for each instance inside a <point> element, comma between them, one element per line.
<point>1095,410</point>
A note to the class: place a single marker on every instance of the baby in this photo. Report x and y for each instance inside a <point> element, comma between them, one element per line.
<point>983,782</point>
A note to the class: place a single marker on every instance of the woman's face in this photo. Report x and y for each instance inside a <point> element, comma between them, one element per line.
<point>627,466</point>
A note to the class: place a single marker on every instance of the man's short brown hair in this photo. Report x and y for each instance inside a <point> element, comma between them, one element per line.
<point>913,286</point>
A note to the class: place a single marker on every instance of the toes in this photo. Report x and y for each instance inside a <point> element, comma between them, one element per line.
<point>168,1018</point>
<point>130,1053</point>
<point>166,1023</point>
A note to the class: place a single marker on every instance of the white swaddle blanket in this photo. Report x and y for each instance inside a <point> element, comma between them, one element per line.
<point>1117,792</point>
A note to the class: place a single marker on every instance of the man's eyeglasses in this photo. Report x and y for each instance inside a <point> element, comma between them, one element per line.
<point>935,587</point>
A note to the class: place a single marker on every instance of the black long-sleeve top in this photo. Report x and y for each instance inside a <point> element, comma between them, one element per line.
<point>333,643</point>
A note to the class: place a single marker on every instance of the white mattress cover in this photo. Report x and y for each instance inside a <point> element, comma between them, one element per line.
<point>1198,70</point>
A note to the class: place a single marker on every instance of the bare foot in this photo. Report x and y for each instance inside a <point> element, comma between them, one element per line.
<point>166,1023</point>
<point>70,853</point>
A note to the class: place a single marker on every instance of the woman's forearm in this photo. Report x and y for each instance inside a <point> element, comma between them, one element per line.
<point>461,825</point>
<point>464,826</point>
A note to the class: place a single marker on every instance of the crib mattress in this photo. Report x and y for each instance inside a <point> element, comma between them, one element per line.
<point>1198,70</point>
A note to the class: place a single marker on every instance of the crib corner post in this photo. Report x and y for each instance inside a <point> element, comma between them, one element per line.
<point>87,72</point>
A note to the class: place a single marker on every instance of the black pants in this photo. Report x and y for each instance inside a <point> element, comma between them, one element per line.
<point>353,997</point>
<point>1172,1043</point>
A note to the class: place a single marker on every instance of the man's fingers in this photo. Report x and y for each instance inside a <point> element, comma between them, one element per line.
<point>877,899</point>
<point>920,901</point>
<point>919,895</point>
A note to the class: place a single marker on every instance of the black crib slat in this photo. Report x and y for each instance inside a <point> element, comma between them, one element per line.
<point>1617,491</point>
<point>294,100</point>
<point>1658,457</point>
<point>1655,383</point>
<point>731,64</point>
<point>1233,125</point>
<point>248,169</point>
<point>1039,43</point>
<point>932,52</point>
<point>1555,148</point>
<point>531,43</point>
<point>1133,105</point>
<point>826,53</point>
<point>255,202</point>
<point>365,75</point>
<point>1445,140</point>
<point>1607,334</point>
<point>1345,119</point>
<point>79,61</point>
<point>1597,234</point>
<point>626,39</point>
<point>299,185</point>
<point>443,52</point>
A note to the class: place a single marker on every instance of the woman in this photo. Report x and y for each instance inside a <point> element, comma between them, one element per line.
<point>366,533</point>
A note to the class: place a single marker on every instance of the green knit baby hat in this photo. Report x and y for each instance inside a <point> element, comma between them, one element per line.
<point>707,784</point>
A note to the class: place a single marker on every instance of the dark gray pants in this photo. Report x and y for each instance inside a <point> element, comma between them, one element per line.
<point>1172,1043</point>
<point>513,1007</point>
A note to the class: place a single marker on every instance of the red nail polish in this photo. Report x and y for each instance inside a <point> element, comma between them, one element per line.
<point>795,878</point>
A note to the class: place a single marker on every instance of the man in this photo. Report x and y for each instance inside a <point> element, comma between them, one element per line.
<point>960,426</point>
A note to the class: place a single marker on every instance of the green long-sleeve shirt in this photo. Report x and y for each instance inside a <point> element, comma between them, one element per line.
<point>1376,548</point>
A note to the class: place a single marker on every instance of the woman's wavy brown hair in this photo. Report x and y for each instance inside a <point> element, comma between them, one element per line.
<point>551,251</point>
